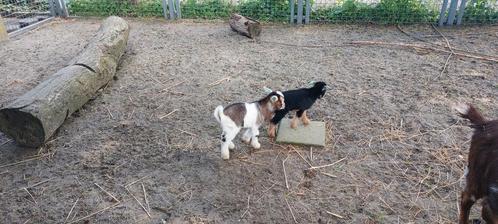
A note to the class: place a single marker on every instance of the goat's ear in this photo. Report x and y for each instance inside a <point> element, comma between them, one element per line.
<point>273,98</point>
<point>267,90</point>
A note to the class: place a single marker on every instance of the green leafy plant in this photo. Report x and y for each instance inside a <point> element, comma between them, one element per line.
<point>115,7</point>
<point>349,11</point>
<point>346,11</point>
<point>208,9</point>
<point>481,12</point>
<point>403,11</point>
<point>265,10</point>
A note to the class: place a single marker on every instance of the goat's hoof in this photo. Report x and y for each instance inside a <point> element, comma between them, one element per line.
<point>256,145</point>
<point>231,145</point>
<point>475,221</point>
<point>306,122</point>
<point>225,154</point>
<point>293,125</point>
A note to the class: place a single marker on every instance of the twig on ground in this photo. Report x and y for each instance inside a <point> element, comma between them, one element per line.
<point>328,174</point>
<point>285,173</point>
<point>145,197</point>
<point>109,194</point>
<point>302,157</point>
<point>445,65</point>
<point>448,46</point>
<point>219,81</point>
<point>39,183</point>
<point>166,115</point>
<point>30,195</point>
<point>135,181</point>
<point>336,215</point>
<point>444,37</point>
<point>323,166</point>
<point>71,211</point>
<point>169,87</point>
<point>306,46</point>
<point>3,143</point>
<point>251,162</point>
<point>110,114</point>
<point>290,209</point>
<point>26,160</point>
<point>421,47</point>
<point>311,154</point>
<point>141,205</point>
<point>263,193</point>
<point>186,132</point>
<point>388,206</point>
<point>95,213</point>
<point>247,209</point>
<point>411,35</point>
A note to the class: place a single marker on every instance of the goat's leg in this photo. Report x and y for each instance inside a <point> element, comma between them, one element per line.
<point>465,204</point>
<point>294,122</point>
<point>254,139</point>
<point>272,130</point>
<point>303,116</point>
<point>487,213</point>
<point>226,141</point>
<point>279,115</point>
<point>246,136</point>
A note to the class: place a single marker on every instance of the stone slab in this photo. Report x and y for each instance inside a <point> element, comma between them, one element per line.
<point>312,134</point>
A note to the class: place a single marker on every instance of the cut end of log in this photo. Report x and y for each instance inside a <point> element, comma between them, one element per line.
<point>25,128</point>
<point>254,30</point>
<point>245,25</point>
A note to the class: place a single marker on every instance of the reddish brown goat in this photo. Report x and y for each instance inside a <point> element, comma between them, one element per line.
<point>482,176</point>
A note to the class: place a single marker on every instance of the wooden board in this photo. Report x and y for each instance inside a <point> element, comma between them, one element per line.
<point>312,134</point>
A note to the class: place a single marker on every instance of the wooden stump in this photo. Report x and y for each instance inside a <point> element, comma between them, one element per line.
<point>34,117</point>
<point>245,26</point>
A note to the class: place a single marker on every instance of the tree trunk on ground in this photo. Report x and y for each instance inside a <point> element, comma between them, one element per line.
<point>245,26</point>
<point>34,117</point>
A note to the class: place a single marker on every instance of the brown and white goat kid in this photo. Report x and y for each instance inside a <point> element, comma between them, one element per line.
<point>482,168</point>
<point>248,116</point>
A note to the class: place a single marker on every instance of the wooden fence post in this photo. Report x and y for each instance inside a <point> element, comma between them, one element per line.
<point>3,31</point>
<point>442,14</point>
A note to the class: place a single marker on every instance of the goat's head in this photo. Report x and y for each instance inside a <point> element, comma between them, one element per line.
<point>275,100</point>
<point>319,88</point>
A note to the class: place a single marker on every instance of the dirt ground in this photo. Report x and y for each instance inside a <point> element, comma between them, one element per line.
<point>398,149</point>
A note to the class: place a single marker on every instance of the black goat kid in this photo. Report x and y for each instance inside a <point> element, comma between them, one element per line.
<point>298,100</point>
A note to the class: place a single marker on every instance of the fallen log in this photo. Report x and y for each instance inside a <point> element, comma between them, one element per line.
<point>35,116</point>
<point>245,26</point>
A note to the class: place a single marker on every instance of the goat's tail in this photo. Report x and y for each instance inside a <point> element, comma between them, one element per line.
<point>469,112</point>
<point>493,198</point>
<point>218,112</point>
